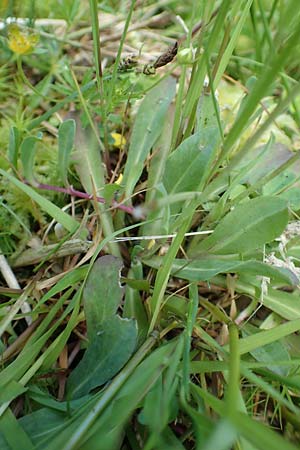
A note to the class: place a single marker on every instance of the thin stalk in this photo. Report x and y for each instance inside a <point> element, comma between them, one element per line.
<point>191,320</point>
<point>199,68</point>
<point>178,110</point>
<point>233,391</point>
<point>84,195</point>
<point>118,57</point>
<point>255,32</point>
<point>99,74</point>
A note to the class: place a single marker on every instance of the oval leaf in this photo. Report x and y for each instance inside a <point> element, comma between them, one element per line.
<point>207,268</point>
<point>105,356</point>
<point>102,293</point>
<point>186,167</point>
<point>27,151</point>
<point>249,226</point>
<point>146,130</point>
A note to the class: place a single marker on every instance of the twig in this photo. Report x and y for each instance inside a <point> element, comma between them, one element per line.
<point>12,282</point>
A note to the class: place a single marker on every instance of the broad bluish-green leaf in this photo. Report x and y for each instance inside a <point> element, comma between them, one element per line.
<point>13,146</point>
<point>146,130</point>
<point>206,268</point>
<point>102,293</point>
<point>109,428</point>
<point>42,423</point>
<point>160,406</point>
<point>105,356</point>
<point>187,166</point>
<point>112,339</point>
<point>247,227</point>
<point>13,433</point>
<point>66,136</point>
<point>87,157</point>
<point>270,353</point>
<point>27,151</point>
<point>41,397</point>
<point>159,218</point>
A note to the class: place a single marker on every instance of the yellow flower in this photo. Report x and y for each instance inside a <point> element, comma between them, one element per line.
<point>21,41</point>
<point>119,140</point>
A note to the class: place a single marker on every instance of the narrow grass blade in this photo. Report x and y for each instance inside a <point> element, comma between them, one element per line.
<point>60,216</point>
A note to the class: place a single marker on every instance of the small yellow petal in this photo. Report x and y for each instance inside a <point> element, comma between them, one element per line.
<point>119,140</point>
<point>151,244</point>
<point>119,180</point>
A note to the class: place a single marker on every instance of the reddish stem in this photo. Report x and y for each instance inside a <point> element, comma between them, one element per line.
<point>75,193</point>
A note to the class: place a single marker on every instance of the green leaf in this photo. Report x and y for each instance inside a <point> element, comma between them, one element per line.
<point>222,437</point>
<point>42,423</point>
<point>41,397</point>
<point>86,432</point>
<point>158,217</point>
<point>13,146</point>
<point>27,151</point>
<point>87,158</point>
<point>66,136</point>
<point>160,405</point>
<point>105,356</point>
<point>146,130</point>
<point>186,167</point>
<point>208,267</point>
<point>88,164</point>
<point>112,339</point>
<point>102,293</point>
<point>13,433</point>
<point>248,226</point>
<point>269,353</point>
<point>251,343</point>
<point>10,391</point>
